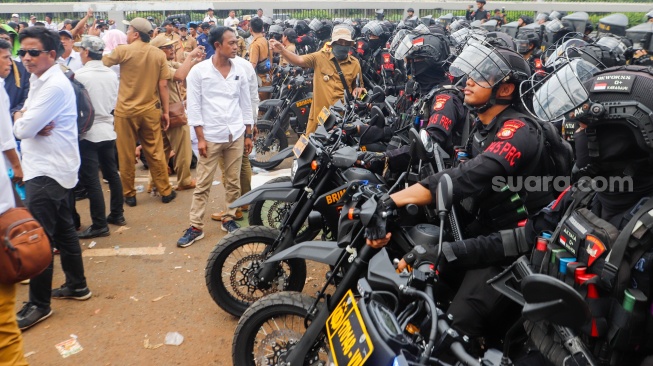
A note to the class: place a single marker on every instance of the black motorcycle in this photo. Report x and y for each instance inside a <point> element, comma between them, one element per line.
<point>291,109</point>
<point>289,328</point>
<point>235,274</point>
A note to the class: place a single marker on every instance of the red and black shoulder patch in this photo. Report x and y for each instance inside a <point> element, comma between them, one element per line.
<point>509,128</point>
<point>440,101</point>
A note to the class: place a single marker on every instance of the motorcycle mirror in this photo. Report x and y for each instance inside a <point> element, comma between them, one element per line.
<point>550,299</point>
<point>345,157</point>
<point>379,94</point>
<point>426,141</point>
<point>377,117</point>
<point>416,146</point>
<point>444,199</point>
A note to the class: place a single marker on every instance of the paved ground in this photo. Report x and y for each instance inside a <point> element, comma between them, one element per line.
<point>142,297</point>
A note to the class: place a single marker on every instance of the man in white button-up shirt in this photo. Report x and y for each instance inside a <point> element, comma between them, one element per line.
<point>98,146</point>
<point>220,110</point>
<point>47,127</point>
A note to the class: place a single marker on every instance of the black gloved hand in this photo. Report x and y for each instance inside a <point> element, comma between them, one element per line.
<point>350,129</point>
<point>421,254</point>
<point>377,228</point>
<point>368,157</point>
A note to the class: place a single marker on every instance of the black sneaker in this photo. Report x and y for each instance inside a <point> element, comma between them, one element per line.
<point>117,220</point>
<point>169,198</point>
<point>65,292</point>
<point>31,314</point>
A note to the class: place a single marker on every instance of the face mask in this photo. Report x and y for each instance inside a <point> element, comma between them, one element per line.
<point>375,43</point>
<point>340,52</point>
<point>419,68</point>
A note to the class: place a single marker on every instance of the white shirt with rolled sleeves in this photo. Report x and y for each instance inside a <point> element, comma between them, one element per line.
<point>221,106</point>
<point>253,83</point>
<point>51,99</point>
<point>7,140</point>
<point>102,86</point>
<point>7,200</point>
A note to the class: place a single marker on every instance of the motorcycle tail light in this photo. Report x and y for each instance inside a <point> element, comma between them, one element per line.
<point>314,165</point>
<point>538,63</point>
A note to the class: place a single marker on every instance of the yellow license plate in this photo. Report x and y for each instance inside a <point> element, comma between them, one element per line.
<point>300,145</point>
<point>323,116</point>
<point>348,338</point>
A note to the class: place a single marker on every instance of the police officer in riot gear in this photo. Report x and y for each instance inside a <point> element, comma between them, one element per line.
<point>528,45</point>
<point>505,143</point>
<point>605,228</point>
<point>434,102</point>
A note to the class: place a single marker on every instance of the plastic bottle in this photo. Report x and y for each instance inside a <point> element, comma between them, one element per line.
<point>20,189</point>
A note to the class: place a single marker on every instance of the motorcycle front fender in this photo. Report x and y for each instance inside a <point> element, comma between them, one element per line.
<point>282,191</point>
<point>282,155</point>
<point>326,252</point>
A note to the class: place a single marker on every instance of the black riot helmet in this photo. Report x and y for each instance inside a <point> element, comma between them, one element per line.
<point>301,28</point>
<point>489,66</point>
<point>618,114</point>
<point>431,47</point>
<point>525,40</point>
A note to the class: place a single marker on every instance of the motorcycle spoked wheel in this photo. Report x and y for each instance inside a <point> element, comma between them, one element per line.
<point>272,213</point>
<point>263,153</point>
<point>269,327</point>
<point>235,260</point>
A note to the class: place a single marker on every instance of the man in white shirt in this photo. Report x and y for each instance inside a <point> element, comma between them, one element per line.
<point>220,111</point>
<point>70,58</point>
<point>7,141</point>
<point>246,168</point>
<point>47,126</point>
<point>32,21</point>
<point>210,17</point>
<point>231,19</point>
<point>97,147</point>
<point>49,24</point>
<point>11,340</point>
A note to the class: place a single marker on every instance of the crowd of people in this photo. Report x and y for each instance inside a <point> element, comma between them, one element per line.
<point>179,95</point>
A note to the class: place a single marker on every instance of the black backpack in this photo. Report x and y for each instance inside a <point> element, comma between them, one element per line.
<point>85,109</point>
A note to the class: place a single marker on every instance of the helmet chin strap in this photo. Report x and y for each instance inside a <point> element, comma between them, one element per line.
<point>491,102</point>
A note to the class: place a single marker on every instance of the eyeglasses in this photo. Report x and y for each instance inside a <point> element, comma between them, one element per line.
<point>33,53</point>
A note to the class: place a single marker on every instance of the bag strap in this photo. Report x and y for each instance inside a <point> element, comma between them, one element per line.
<point>616,254</point>
<point>348,95</point>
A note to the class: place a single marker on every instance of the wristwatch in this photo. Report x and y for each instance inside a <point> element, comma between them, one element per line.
<point>249,136</point>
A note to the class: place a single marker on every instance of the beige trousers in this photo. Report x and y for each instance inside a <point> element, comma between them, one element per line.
<point>229,156</point>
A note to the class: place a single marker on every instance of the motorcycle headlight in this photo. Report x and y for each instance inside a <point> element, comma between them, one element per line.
<point>293,169</point>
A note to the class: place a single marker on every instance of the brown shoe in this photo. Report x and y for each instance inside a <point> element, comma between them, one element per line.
<point>244,208</point>
<point>189,186</point>
<point>218,215</point>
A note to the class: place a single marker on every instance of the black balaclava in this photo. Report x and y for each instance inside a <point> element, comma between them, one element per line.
<point>427,76</point>
<point>617,145</point>
<point>375,44</point>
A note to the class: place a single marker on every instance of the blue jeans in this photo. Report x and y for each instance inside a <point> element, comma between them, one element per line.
<point>50,204</point>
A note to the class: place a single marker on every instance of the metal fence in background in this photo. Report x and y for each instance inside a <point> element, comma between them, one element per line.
<point>195,10</point>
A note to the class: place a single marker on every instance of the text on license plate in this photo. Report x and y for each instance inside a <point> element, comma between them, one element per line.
<point>300,145</point>
<point>348,338</point>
